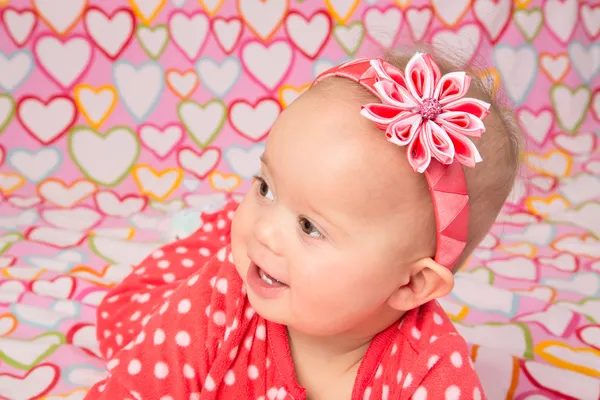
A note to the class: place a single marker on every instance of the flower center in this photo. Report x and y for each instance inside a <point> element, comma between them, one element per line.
<point>430,109</point>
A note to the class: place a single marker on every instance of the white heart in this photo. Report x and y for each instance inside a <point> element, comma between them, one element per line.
<point>202,122</point>
<point>254,121</point>
<point>110,33</point>
<point>245,162</point>
<point>418,21</point>
<point>560,17</point>
<point>227,32</point>
<point>518,68</point>
<point>76,219</point>
<point>537,126</point>
<point>113,205</point>
<point>262,15</point>
<point>154,40</point>
<point>14,70</point>
<point>160,141</point>
<point>570,106</point>
<point>189,32</point>
<point>46,121</point>
<point>35,166</point>
<point>65,61</point>
<point>139,87</point>
<point>308,35</point>
<point>60,288</point>
<point>19,24</point>
<point>36,382</point>
<point>462,44</point>
<point>199,164</point>
<point>61,20</point>
<point>66,196</point>
<point>268,63</point>
<point>219,77</point>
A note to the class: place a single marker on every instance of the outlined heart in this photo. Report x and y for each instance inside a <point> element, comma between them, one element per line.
<point>46,121</point>
<point>585,59</point>
<point>529,22</point>
<point>80,219</point>
<point>494,16</point>
<point>35,165</point>
<point>24,201</point>
<point>419,21</point>
<point>64,61</point>
<point>7,110</point>
<point>289,93</point>
<point>61,287</point>
<point>113,205</point>
<point>153,40</point>
<point>382,25</point>
<point>55,237</point>
<point>111,33</point>
<point>60,21</point>
<point>211,6</point>
<point>10,291</point>
<point>590,16</point>
<point>19,24</point>
<point>157,185</point>
<point>147,10</point>
<point>83,336</point>
<point>182,83</point>
<point>228,32</point>
<point>61,261</point>
<point>464,42</point>
<point>537,125</point>
<point>253,121</point>
<point>89,150</point>
<point>161,141</point>
<point>341,10</point>
<point>263,17</point>
<point>309,35</point>
<point>219,77</point>
<point>37,382</point>
<point>244,162</point>
<point>140,87</point>
<point>202,122</point>
<point>189,32</point>
<point>200,164</point>
<point>570,105</point>
<point>26,354</point>
<point>349,37</point>
<point>2,157</point>
<point>560,17</point>
<point>9,183</point>
<point>95,104</point>
<point>268,64</point>
<point>555,66</point>
<point>553,163</point>
<point>224,182</point>
<point>518,68</point>
<point>590,335</point>
<point>64,195</point>
<point>579,144</point>
<point>450,13</point>
<point>8,324</point>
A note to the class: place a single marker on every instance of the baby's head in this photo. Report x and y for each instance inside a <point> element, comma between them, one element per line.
<point>338,234</point>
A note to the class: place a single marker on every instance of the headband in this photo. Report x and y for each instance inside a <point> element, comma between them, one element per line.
<point>427,112</point>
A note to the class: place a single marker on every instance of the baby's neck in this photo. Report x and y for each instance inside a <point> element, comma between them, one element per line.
<point>327,366</point>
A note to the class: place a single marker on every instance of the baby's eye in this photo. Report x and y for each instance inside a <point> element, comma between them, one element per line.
<point>308,228</point>
<point>264,190</point>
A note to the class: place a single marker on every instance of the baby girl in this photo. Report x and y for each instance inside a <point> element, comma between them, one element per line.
<point>322,283</point>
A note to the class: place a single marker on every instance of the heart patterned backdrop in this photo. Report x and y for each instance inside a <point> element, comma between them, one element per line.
<point>115,114</point>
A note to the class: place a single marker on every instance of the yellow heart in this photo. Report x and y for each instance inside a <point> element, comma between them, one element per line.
<point>157,185</point>
<point>539,205</point>
<point>289,93</point>
<point>147,16</point>
<point>67,395</point>
<point>459,316</point>
<point>95,118</point>
<point>130,232</point>
<point>553,163</point>
<point>211,11</point>
<point>224,182</point>
<point>336,13</point>
<point>10,182</point>
<point>542,349</point>
<point>6,273</point>
<point>520,249</point>
<point>522,3</point>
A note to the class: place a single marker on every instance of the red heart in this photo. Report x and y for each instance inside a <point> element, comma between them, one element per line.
<point>3,18</point>
<point>124,43</point>
<point>34,127</point>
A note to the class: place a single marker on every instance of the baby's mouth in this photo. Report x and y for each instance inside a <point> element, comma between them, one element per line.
<point>268,279</point>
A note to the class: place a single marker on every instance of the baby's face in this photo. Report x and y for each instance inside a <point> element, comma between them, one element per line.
<point>328,230</point>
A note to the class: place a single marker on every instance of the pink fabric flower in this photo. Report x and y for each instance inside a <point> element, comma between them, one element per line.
<point>427,112</point>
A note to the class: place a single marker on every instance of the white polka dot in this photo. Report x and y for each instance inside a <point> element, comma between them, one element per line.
<point>119,324</point>
<point>250,312</point>
<point>204,252</point>
<point>252,372</point>
<point>221,223</point>
<point>212,281</point>
<point>158,254</point>
<point>229,378</point>
<point>432,361</point>
<point>222,285</point>
<point>394,349</point>
<point>432,339</point>
<point>142,298</point>
<point>437,318</point>
<point>182,338</point>
<point>416,333</point>
<point>385,392</point>
<point>209,383</point>
<point>188,371</point>
<point>112,364</point>
<point>163,264</point>
<point>219,318</point>
<point>161,370</point>
<point>207,310</point>
<point>145,320</point>
<point>379,372</point>
<point>140,337</point>
<point>268,362</point>
<point>134,367</point>
<point>109,352</point>
<point>456,359</point>
<point>106,334</point>
<point>181,250</point>
<point>452,393</point>
<point>192,281</point>
<point>476,393</point>
<point>159,336</point>
<point>113,299</point>
<point>208,227</point>
<point>184,306</point>
<point>169,278</point>
<point>399,376</point>
<point>230,214</point>
<point>101,388</point>
<point>119,339</point>
<point>104,315</point>
<point>166,294</point>
<point>233,353</point>
<point>420,394</point>
<point>163,308</point>
<point>248,343</point>
<point>140,271</point>
<point>261,332</point>
<point>129,346</point>
<point>407,381</point>
<point>186,262</point>
<point>136,395</point>
<point>167,397</point>
<point>135,316</point>
<point>194,396</point>
<point>272,393</point>
<point>367,393</point>
<point>281,394</point>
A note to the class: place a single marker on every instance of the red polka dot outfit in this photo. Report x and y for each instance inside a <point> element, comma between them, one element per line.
<point>180,327</point>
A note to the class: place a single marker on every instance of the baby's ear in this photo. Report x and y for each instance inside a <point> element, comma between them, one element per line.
<point>428,281</point>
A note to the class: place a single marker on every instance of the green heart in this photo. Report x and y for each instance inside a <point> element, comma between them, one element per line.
<point>8,239</point>
<point>94,249</point>
<point>218,121</point>
<point>523,31</point>
<point>154,55</point>
<point>5,98</point>
<point>489,272</point>
<point>556,107</point>
<point>80,162</point>
<point>60,340</point>
<point>583,302</point>
<point>155,205</point>
<point>349,50</point>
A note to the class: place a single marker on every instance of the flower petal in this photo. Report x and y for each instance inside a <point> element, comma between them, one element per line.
<point>422,75</point>
<point>452,86</point>
<point>402,131</point>
<point>381,114</point>
<point>390,93</point>
<point>387,71</point>
<point>465,151</point>
<point>439,142</point>
<point>475,107</point>
<point>419,155</point>
<point>461,123</point>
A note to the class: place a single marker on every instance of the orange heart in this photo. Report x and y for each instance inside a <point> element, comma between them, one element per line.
<point>82,270</point>
<point>74,393</point>
<point>402,3</point>
<point>211,11</point>
<point>147,16</point>
<point>11,321</point>
<point>546,58</point>
<point>533,204</point>
<point>520,249</point>
<point>67,29</point>
<point>10,182</point>
<point>543,349</point>
<point>494,75</point>
<point>93,120</point>
<point>224,182</point>
<point>156,184</point>
<point>264,36</point>
<point>522,3</point>
<point>342,17</point>
<point>289,93</point>
<point>537,287</point>
<point>554,163</point>
<point>92,189</point>
<point>189,74</point>
<point>449,24</point>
